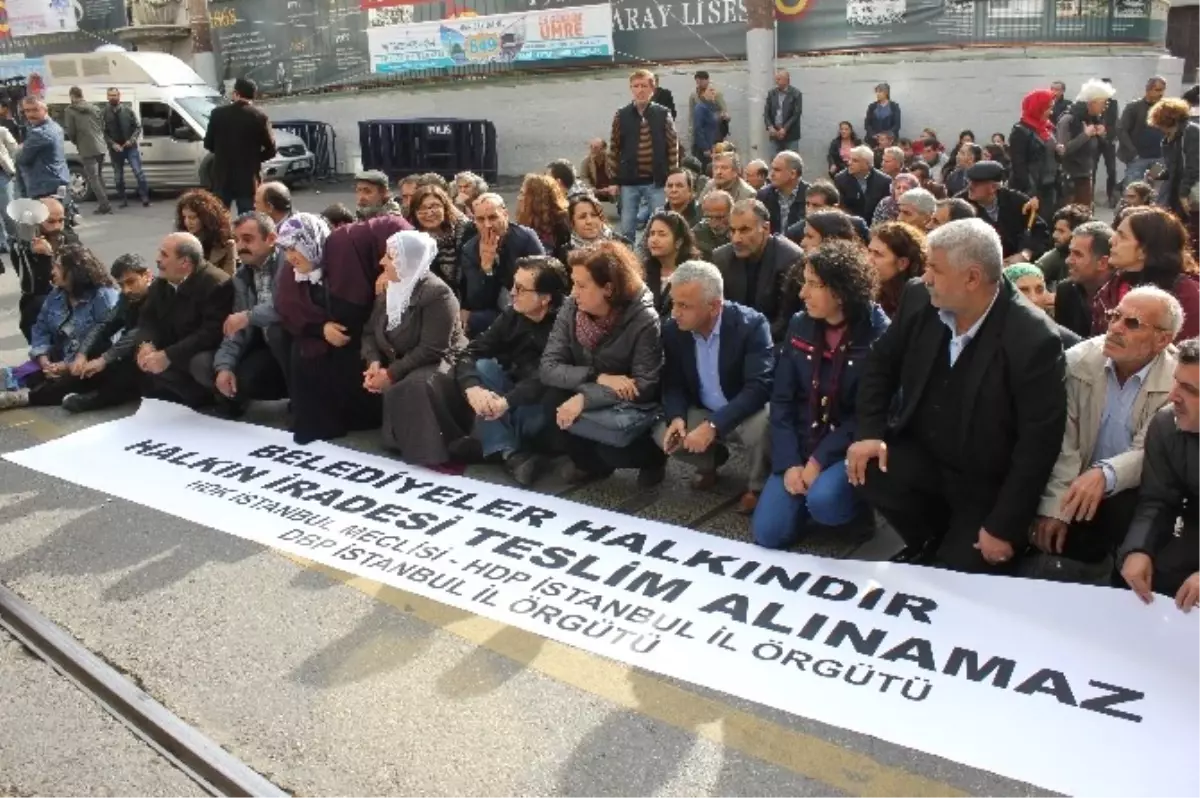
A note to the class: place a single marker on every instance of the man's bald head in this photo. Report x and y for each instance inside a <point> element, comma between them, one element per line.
<point>179,257</point>
<point>57,218</point>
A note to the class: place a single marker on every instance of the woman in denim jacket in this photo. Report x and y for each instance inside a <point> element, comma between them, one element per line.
<point>82,298</point>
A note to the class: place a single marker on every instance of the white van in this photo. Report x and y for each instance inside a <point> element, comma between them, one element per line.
<point>173,104</point>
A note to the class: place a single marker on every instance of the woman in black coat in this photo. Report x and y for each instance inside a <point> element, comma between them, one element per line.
<point>839,149</point>
<point>883,116</point>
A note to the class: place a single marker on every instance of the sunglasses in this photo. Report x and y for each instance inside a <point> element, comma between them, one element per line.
<point>1132,323</point>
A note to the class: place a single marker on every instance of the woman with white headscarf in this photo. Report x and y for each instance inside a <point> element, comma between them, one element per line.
<point>323,301</point>
<point>409,346</point>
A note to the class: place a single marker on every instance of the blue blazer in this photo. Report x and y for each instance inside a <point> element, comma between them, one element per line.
<point>745,361</point>
<point>801,426</point>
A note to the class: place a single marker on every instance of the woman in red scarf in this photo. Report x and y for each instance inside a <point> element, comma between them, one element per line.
<point>1034,152</point>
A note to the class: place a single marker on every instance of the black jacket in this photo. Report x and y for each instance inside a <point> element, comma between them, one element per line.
<point>187,320</point>
<point>124,320</point>
<point>1013,225</point>
<point>1028,171</point>
<point>872,128</point>
<point>1181,154</point>
<point>1072,308</point>
<point>666,99</point>
<point>777,259</point>
<point>1170,476</point>
<point>769,195</point>
<point>240,138</point>
<point>33,269</point>
<point>516,342</point>
<point>1014,405</point>
<point>854,200</point>
<point>120,125</point>
<point>478,290</point>
<point>1135,137</point>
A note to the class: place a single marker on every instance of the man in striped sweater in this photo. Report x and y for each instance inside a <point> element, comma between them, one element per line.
<point>642,150</point>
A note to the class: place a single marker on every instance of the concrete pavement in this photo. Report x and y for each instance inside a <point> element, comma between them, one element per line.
<point>331,684</point>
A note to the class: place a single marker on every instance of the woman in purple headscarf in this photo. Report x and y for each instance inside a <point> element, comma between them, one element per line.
<point>323,302</point>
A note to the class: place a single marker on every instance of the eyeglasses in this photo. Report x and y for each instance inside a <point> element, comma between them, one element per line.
<point>1132,323</point>
<point>518,290</point>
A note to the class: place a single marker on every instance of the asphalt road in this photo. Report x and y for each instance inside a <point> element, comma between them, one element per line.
<point>328,684</point>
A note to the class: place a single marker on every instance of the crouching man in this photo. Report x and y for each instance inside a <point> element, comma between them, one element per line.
<point>106,361</point>
<point>179,327</point>
<point>717,377</point>
<point>1115,385</point>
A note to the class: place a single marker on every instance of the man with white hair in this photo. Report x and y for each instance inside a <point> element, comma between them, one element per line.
<point>785,196</point>
<point>1115,385</point>
<point>862,186</point>
<point>958,466</point>
<point>1081,131</point>
<point>719,359</point>
<point>180,324</point>
<point>916,207</point>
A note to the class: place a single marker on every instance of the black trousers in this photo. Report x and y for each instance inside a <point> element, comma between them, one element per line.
<point>1107,151</point>
<point>600,459</point>
<point>927,502</point>
<point>28,308</point>
<point>1092,541</point>
<point>117,384</point>
<point>259,375</point>
<point>182,383</point>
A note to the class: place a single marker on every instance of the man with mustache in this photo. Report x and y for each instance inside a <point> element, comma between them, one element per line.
<point>252,361</point>
<point>33,260</point>
<point>1115,385</point>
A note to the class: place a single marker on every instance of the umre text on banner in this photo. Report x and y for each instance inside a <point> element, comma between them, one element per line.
<point>992,672</point>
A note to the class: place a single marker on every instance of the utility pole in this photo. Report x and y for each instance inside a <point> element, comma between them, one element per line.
<point>203,59</point>
<point>760,67</point>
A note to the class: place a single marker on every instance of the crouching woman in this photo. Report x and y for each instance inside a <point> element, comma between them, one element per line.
<point>813,399</point>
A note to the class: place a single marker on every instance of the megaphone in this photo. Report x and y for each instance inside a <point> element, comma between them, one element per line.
<point>27,214</point>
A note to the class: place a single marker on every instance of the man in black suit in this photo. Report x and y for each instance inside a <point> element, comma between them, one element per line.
<point>785,196</point>
<point>1089,269</point>
<point>240,138</point>
<point>958,466</point>
<point>716,378</point>
<point>861,185</point>
<point>754,263</point>
<point>1004,209</point>
<point>180,323</point>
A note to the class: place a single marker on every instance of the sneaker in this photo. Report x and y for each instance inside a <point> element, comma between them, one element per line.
<point>523,467</point>
<point>10,400</point>
<point>650,477</point>
<point>81,402</point>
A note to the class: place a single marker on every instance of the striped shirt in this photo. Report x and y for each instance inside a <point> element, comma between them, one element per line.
<point>645,149</point>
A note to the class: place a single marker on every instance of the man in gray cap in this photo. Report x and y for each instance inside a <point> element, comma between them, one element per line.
<point>372,195</point>
<point>1024,235</point>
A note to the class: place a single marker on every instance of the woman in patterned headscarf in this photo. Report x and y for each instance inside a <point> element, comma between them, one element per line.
<point>409,347</point>
<point>320,303</point>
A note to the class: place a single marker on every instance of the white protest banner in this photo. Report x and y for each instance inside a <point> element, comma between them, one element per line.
<point>1075,689</point>
<point>33,17</point>
<point>523,37</point>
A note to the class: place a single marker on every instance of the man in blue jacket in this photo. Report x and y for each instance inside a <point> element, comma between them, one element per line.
<point>41,159</point>
<point>719,362</point>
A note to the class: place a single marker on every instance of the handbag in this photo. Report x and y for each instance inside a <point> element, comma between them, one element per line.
<point>617,425</point>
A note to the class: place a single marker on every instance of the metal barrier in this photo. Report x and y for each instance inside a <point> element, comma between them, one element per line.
<point>402,147</point>
<point>321,141</point>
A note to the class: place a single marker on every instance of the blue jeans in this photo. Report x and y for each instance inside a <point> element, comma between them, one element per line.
<point>1136,170</point>
<point>780,146</point>
<point>519,424</point>
<point>6,196</point>
<point>781,518</point>
<point>631,203</point>
<point>133,157</point>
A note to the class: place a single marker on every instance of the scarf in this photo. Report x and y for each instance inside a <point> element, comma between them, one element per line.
<point>306,233</point>
<point>606,234</point>
<point>412,254</point>
<point>590,331</point>
<point>1033,109</point>
<point>313,277</point>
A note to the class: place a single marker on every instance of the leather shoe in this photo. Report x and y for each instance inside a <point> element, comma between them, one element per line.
<point>703,480</point>
<point>747,503</point>
<point>918,554</point>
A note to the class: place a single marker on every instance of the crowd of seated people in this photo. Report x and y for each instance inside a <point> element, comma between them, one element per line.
<point>1011,389</point>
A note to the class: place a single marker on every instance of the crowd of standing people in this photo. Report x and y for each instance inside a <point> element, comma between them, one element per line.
<point>1011,385</point>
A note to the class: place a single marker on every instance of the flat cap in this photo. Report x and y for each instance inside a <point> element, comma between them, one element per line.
<point>986,171</point>
<point>373,176</point>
